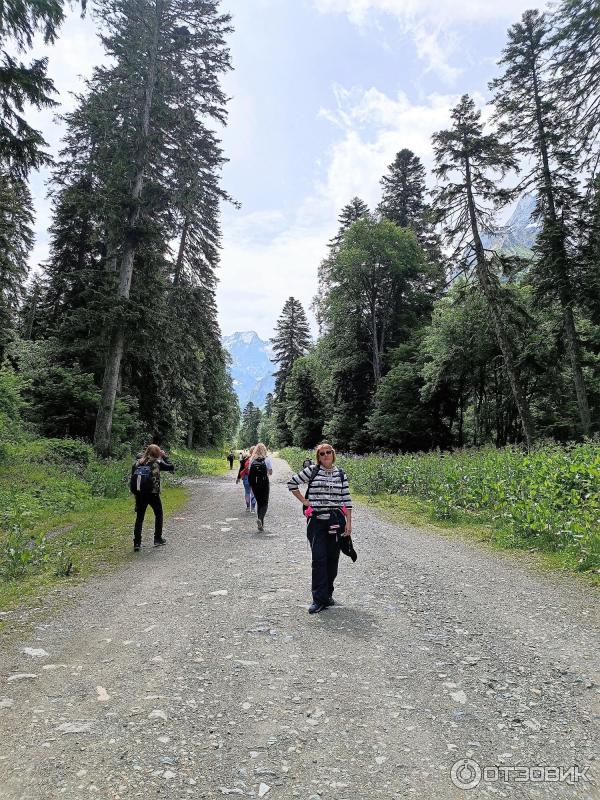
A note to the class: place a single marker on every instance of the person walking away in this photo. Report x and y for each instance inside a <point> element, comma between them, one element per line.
<point>243,476</point>
<point>307,463</point>
<point>145,485</point>
<point>328,507</point>
<point>230,458</point>
<point>261,467</point>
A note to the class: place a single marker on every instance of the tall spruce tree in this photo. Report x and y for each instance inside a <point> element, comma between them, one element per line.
<point>16,240</point>
<point>168,58</point>
<point>356,209</point>
<point>403,195</point>
<point>251,417</point>
<point>291,341</point>
<point>528,110</point>
<point>576,65</point>
<point>404,202</point>
<point>470,166</point>
<point>303,404</point>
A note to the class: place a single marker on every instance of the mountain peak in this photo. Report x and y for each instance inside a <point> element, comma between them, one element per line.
<point>251,366</point>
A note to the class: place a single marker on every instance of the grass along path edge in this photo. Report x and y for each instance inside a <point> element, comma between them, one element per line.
<point>56,548</point>
<point>490,526</point>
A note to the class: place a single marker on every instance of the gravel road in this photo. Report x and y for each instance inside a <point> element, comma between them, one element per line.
<point>195,670</point>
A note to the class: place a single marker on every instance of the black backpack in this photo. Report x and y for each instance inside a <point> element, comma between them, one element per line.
<point>258,476</point>
<point>141,480</point>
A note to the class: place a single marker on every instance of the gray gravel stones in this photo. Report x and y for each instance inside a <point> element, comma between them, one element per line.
<point>195,671</point>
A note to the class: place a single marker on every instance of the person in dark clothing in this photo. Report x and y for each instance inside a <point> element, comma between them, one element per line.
<point>328,508</point>
<point>261,467</point>
<point>230,459</point>
<point>145,485</point>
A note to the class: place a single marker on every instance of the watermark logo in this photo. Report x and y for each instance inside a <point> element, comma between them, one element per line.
<point>468,774</point>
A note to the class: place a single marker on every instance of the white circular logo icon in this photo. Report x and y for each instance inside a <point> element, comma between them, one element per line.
<point>466,773</point>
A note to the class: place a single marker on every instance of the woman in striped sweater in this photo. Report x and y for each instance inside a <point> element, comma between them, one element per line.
<point>329,511</point>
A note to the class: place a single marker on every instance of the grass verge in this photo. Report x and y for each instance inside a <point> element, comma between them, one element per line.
<point>545,503</point>
<point>66,515</point>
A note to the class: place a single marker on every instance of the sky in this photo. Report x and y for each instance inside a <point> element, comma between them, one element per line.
<point>323,95</point>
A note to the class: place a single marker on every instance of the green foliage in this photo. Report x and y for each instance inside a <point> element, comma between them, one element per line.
<point>251,418</point>
<point>46,482</point>
<point>291,341</point>
<point>303,406</point>
<point>548,499</point>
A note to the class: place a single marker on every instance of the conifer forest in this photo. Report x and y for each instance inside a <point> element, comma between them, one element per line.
<point>434,333</point>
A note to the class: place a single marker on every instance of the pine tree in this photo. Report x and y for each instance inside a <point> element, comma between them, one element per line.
<point>470,168</point>
<point>251,417</point>
<point>403,196</point>
<point>529,113</point>
<point>576,65</point>
<point>20,144</point>
<point>404,202</point>
<point>303,405</point>
<point>16,240</point>
<point>356,209</point>
<point>174,52</point>
<point>291,341</point>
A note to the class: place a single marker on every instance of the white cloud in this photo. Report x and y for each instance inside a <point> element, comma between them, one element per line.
<point>375,127</point>
<point>259,272</point>
<point>70,62</point>
<point>257,278</point>
<point>431,23</point>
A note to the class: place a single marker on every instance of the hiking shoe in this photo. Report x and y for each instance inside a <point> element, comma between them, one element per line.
<point>137,548</point>
<point>247,509</point>
<point>159,542</point>
<point>259,524</point>
<point>316,607</point>
<point>330,602</point>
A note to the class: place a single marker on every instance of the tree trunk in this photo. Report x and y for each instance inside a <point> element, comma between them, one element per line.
<point>560,260</point>
<point>375,347</point>
<point>190,435</point>
<point>102,433</point>
<point>498,319</point>
<point>181,252</point>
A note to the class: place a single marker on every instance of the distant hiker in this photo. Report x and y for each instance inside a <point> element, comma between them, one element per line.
<point>328,508</point>
<point>307,463</point>
<point>261,467</point>
<point>230,458</point>
<point>243,476</point>
<point>145,485</point>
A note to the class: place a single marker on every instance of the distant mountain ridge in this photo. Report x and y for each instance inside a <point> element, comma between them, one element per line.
<point>518,236</point>
<point>251,367</point>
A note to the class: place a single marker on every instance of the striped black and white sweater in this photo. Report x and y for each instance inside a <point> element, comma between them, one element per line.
<point>327,490</point>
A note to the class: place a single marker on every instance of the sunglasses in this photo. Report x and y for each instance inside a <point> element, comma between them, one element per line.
<point>326,452</point>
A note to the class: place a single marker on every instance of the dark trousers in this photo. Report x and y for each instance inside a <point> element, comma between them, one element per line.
<point>142,501</point>
<point>262,502</point>
<point>325,556</point>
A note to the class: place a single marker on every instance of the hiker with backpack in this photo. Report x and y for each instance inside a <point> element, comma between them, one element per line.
<point>259,470</point>
<point>328,509</point>
<point>145,485</point>
<point>243,476</point>
<point>230,458</point>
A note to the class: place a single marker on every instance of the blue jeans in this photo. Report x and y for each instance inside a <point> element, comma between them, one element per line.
<point>250,499</point>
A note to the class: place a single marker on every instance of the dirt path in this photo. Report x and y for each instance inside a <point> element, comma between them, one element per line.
<point>195,671</point>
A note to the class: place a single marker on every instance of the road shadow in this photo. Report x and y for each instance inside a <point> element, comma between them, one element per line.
<point>350,622</point>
